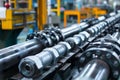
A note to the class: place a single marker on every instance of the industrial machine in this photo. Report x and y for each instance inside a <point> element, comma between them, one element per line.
<point>13,18</point>
<point>83,13</point>
<point>101,59</point>
<point>41,65</point>
<point>40,40</point>
<point>66,54</point>
<point>20,14</point>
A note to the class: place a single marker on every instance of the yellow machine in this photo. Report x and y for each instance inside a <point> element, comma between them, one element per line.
<point>98,12</point>
<point>85,12</point>
<point>71,13</point>
<point>18,17</point>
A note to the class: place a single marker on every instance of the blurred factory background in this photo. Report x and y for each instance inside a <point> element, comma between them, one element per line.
<point>59,39</point>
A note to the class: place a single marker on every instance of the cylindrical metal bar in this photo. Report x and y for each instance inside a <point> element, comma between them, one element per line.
<point>77,40</point>
<point>80,27</point>
<point>12,55</point>
<point>102,58</point>
<point>33,65</point>
<point>94,70</point>
<point>17,52</point>
<point>74,29</point>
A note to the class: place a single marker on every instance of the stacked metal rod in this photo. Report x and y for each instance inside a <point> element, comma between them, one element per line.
<point>33,66</point>
<point>12,55</point>
<point>102,59</point>
<point>69,31</point>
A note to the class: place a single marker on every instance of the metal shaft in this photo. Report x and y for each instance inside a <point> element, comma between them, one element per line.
<point>94,70</point>
<point>67,32</point>
<point>12,55</point>
<point>76,28</point>
<point>45,58</point>
<point>48,56</point>
<point>35,64</point>
<point>102,63</point>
